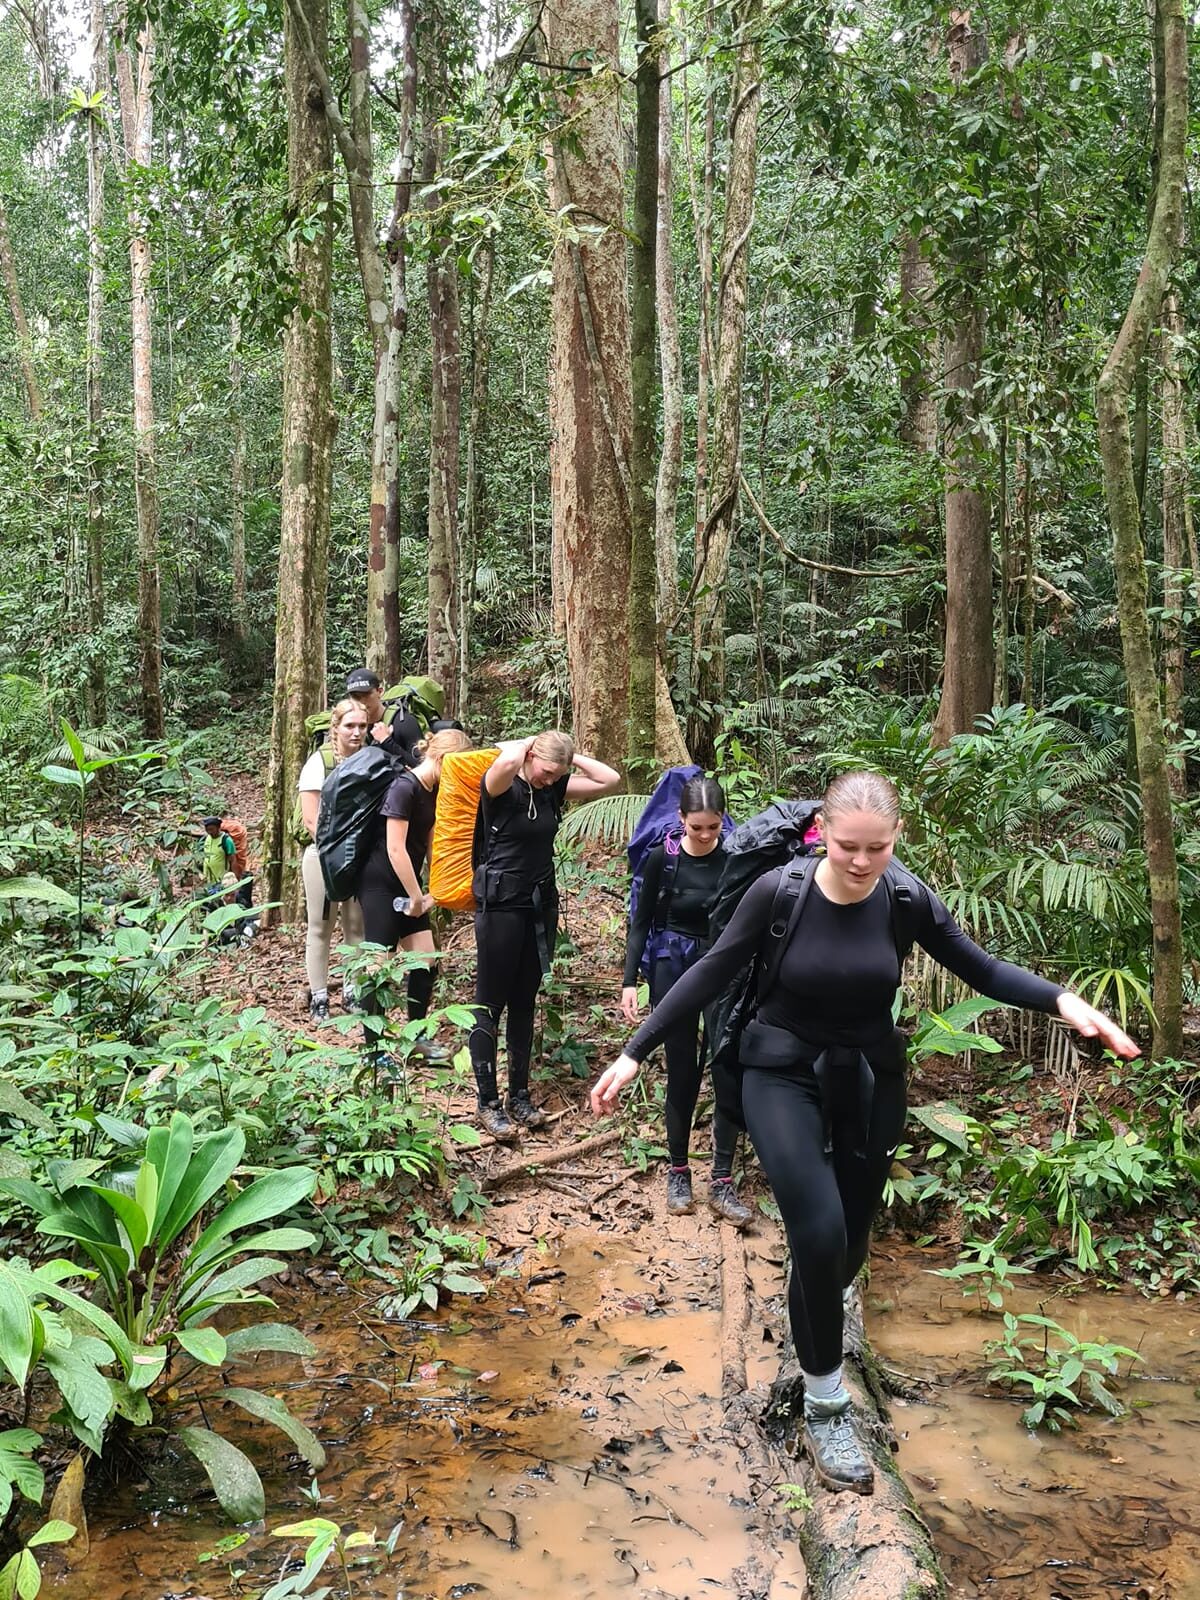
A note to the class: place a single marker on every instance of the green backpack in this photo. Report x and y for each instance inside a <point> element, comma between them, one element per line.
<point>296,828</point>
<point>423,697</point>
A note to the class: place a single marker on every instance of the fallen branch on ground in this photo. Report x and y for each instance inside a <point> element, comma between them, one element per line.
<point>552,1158</point>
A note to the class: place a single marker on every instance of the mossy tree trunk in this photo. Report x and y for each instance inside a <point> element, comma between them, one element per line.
<point>1113,392</point>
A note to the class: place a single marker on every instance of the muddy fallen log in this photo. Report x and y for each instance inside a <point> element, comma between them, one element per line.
<point>875,1546</point>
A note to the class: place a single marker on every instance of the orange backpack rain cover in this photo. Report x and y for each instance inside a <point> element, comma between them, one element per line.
<point>450,868</point>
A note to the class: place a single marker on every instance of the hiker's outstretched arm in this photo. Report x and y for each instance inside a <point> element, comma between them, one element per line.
<point>499,776</point>
<point>591,779</point>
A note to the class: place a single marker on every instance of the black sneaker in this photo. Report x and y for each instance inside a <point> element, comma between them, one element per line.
<point>522,1109</point>
<point>318,1010</point>
<point>832,1444</point>
<point>493,1119</point>
<point>679,1191</point>
<point>723,1202</point>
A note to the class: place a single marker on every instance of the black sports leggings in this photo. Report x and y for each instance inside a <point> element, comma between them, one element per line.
<point>827,1202</point>
<point>685,1074</point>
<point>383,924</point>
<point>508,974</point>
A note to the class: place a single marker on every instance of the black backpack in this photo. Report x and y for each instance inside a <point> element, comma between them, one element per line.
<point>347,820</point>
<point>776,837</point>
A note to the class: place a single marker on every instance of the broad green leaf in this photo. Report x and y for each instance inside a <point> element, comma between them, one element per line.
<point>170,1149</point>
<point>44,1282</point>
<point>65,777</point>
<point>14,1104</point>
<point>16,1467</point>
<point>132,1404</point>
<point>308,1529</point>
<point>85,1390</point>
<point>12,1166</point>
<point>16,1327</point>
<point>266,1197</point>
<point>147,1364</point>
<point>238,1487</point>
<point>263,1336</point>
<point>131,1215</point>
<point>205,1344</point>
<point>40,890</point>
<point>225,1285</point>
<point>199,1264</point>
<point>211,1164</point>
<point>275,1412</point>
<point>462,1133</point>
<point>74,744</point>
<point>51,1533</point>
<point>20,1578</point>
<point>120,1131</point>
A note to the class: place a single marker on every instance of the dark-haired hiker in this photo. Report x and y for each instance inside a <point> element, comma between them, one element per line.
<point>823,1069</point>
<point>393,868</point>
<point>521,801</point>
<point>691,860</point>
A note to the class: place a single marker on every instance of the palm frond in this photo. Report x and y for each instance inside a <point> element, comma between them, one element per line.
<point>608,820</point>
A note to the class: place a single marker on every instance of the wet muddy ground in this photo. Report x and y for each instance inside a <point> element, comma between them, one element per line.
<point>564,1436</point>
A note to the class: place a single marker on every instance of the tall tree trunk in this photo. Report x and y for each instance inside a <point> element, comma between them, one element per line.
<point>388,580</point>
<point>445,408</point>
<point>16,306</point>
<point>353,135</point>
<point>670,462</point>
<point>968,669</point>
<point>643,560</point>
<point>237,488</point>
<point>702,214</point>
<point>135,87</point>
<point>475,489</point>
<point>708,626</point>
<point>918,423</point>
<point>1178,529</point>
<point>308,430</point>
<point>1113,391</point>
<point>97,697</point>
<point>590,485</point>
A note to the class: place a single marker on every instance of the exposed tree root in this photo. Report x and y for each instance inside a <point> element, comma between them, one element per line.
<point>551,1158</point>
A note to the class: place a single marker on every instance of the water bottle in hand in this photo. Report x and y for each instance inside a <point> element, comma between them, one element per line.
<point>402,905</point>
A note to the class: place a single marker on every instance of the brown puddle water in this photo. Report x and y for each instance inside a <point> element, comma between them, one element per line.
<point>1111,1508</point>
<point>568,1445</point>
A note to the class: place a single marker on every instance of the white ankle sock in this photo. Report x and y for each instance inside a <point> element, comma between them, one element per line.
<point>826,1386</point>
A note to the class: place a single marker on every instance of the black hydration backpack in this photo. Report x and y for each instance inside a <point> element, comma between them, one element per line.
<point>348,818</point>
<point>774,838</point>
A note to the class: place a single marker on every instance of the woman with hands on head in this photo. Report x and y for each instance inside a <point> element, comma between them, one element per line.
<point>521,799</point>
<point>823,1091</point>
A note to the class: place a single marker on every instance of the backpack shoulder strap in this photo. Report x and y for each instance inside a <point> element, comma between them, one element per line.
<point>328,756</point>
<point>794,884</point>
<point>906,896</point>
<point>666,879</point>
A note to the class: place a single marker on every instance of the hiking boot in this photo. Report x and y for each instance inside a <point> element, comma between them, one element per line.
<point>429,1051</point>
<point>723,1202</point>
<point>318,1010</point>
<point>679,1191</point>
<point>522,1109</point>
<point>493,1119</point>
<point>832,1445</point>
<point>351,1003</point>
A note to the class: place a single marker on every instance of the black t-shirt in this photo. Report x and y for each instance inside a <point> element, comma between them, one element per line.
<point>693,891</point>
<point>840,971</point>
<point>519,828</point>
<point>410,800</point>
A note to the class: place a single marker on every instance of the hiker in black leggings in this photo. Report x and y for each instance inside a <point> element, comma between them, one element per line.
<point>668,933</point>
<point>521,801</point>
<point>823,1071</point>
<point>393,867</point>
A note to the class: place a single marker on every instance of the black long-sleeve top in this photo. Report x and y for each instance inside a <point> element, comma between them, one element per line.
<point>693,890</point>
<point>839,975</point>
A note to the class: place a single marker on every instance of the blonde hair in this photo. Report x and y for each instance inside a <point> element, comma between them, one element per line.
<point>436,747</point>
<point>862,791</point>
<point>555,747</point>
<point>337,716</point>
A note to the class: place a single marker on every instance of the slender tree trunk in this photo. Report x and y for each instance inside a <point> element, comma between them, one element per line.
<point>670,462</point>
<point>1179,532</point>
<point>1113,391</point>
<point>475,490</point>
<point>97,696</point>
<point>643,580</point>
<point>444,411</point>
<point>590,481</point>
<point>708,627</point>
<point>308,430</point>
<point>968,671</point>
<point>703,218</point>
<point>16,306</point>
<point>918,422</point>
<point>135,87</point>
<point>397,256</point>
<point>237,488</point>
